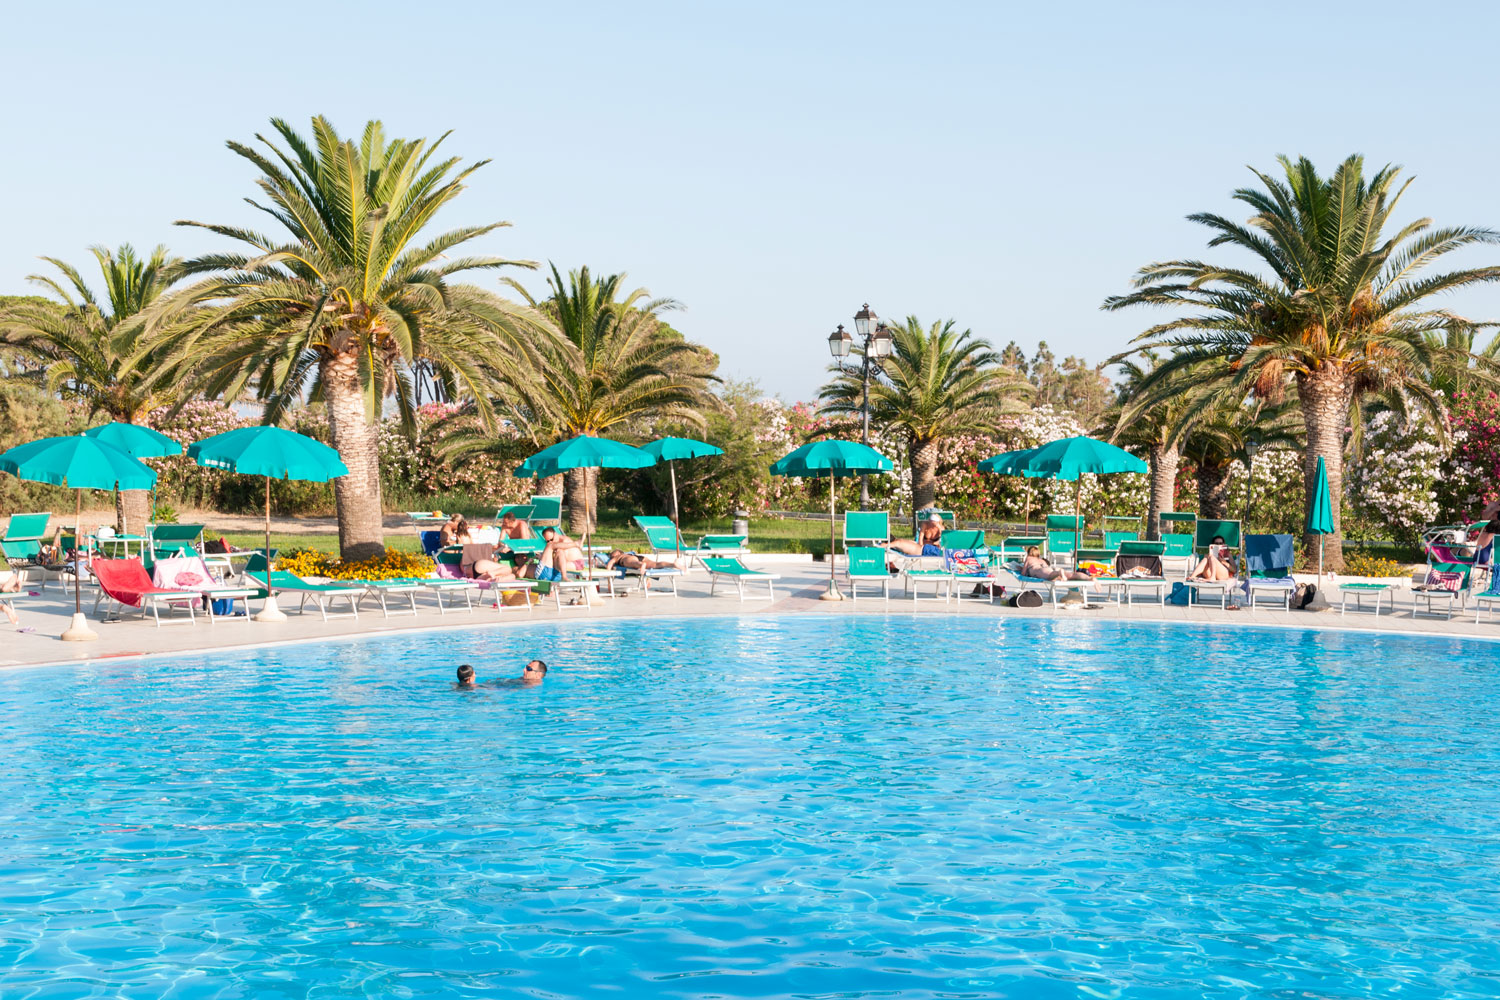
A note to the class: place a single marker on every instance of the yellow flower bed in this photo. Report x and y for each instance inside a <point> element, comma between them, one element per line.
<point>1363,564</point>
<point>393,565</point>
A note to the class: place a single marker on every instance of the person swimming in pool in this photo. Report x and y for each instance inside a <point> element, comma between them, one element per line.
<point>465,677</point>
<point>532,674</point>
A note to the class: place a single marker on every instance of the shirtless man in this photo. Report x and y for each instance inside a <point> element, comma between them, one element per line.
<point>512,526</point>
<point>928,540</point>
<point>559,555</point>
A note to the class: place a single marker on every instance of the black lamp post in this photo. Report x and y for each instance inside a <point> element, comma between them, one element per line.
<point>1252,446</point>
<point>876,343</point>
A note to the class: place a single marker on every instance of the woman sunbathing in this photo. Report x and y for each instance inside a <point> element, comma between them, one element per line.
<point>634,561</point>
<point>1216,566</point>
<point>1037,568</point>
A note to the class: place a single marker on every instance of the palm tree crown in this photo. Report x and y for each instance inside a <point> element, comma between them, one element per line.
<point>1342,314</point>
<point>349,299</point>
<point>938,382</point>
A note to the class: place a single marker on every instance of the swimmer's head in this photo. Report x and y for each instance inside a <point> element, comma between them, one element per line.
<point>535,670</point>
<point>465,674</point>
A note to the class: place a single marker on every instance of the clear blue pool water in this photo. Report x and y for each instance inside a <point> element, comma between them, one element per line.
<point>809,807</point>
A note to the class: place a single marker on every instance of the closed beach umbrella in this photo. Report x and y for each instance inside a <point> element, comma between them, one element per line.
<point>584,452</point>
<point>1069,459</point>
<point>1320,514</point>
<point>137,442</point>
<point>1008,463</point>
<point>79,463</point>
<point>276,454</point>
<point>834,459</point>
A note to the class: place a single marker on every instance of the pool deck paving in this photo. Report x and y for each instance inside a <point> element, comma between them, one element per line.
<point>797,593</point>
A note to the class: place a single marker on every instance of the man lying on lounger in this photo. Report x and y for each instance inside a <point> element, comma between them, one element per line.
<point>1217,566</point>
<point>633,561</point>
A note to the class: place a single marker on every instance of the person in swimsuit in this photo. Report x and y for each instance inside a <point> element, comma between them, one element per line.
<point>560,555</point>
<point>1217,566</point>
<point>1037,568</point>
<point>634,561</point>
<point>448,533</point>
<point>512,526</point>
<point>928,541</point>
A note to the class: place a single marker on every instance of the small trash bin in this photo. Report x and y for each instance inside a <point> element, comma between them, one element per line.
<point>741,523</point>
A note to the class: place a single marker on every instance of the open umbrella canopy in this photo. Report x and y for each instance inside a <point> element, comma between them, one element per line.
<point>1320,516</point>
<point>831,458</point>
<point>1069,458</point>
<point>584,452</point>
<point>670,449</point>
<point>135,440</point>
<point>269,451</point>
<point>78,462</point>
<point>1007,463</point>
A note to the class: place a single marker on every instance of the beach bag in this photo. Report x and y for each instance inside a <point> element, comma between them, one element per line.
<point>1181,595</point>
<point>964,562</point>
<point>1442,580</point>
<point>1025,599</point>
<point>222,607</point>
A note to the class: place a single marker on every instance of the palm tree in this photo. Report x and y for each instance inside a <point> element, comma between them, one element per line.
<point>85,350</point>
<point>345,304</point>
<point>1151,429</point>
<point>1343,314</point>
<point>937,383</point>
<point>612,362</point>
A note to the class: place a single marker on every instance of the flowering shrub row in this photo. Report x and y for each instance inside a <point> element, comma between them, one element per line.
<point>393,565</point>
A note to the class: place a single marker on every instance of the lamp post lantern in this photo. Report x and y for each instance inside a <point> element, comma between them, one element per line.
<point>1252,446</point>
<point>877,343</point>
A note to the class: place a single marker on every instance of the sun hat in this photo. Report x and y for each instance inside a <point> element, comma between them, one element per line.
<point>936,518</point>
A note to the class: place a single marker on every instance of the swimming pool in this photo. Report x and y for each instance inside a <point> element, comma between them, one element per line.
<point>767,806</point>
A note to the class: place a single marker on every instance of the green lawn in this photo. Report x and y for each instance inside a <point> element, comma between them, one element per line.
<point>767,534</point>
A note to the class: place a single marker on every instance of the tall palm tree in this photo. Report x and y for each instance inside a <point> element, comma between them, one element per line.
<point>937,383</point>
<point>1149,426</point>
<point>85,349</point>
<point>347,300</point>
<point>612,362</point>
<point>1342,314</point>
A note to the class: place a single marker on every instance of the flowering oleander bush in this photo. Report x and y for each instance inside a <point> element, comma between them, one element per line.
<point>1469,477</point>
<point>1394,483</point>
<point>1276,493</point>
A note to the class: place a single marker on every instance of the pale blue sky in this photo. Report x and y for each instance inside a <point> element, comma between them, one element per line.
<point>770,165</point>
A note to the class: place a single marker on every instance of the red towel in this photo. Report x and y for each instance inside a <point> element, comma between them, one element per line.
<point>125,580</point>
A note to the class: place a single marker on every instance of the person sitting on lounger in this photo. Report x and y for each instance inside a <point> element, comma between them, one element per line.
<point>449,532</point>
<point>10,583</point>
<point>1217,566</point>
<point>512,526</point>
<point>928,541</point>
<point>1037,568</point>
<point>560,555</point>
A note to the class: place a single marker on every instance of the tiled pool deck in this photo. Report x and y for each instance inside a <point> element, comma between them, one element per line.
<point>796,594</point>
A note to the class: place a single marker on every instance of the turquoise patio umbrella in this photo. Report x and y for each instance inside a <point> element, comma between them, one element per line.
<point>674,449</point>
<point>1320,514</point>
<point>1007,463</point>
<point>275,453</point>
<point>79,463</point>
<point>584,452</point>
<point>137,442</point>
<point>833,459</point>
<point>1070,459</point>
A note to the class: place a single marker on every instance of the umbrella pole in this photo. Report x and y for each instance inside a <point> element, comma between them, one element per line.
<point>78,630</point>
<point>1077,519</point>
<point>588,555</point>
<point>676,514</point>
<point>269,612</point>
<point>832,593</point>
<point>1028,506</point>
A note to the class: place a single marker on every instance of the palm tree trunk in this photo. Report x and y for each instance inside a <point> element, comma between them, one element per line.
<point>132,511</point>
<point>1163,488</point>
<point>357,495</point>
<point>1325,396</point>
<point>923,456</point>
<point>578,489</point>
<point>1213,490</point>
<point>550,486</point>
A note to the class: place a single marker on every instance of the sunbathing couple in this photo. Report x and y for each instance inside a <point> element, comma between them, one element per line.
<point>456,530</point>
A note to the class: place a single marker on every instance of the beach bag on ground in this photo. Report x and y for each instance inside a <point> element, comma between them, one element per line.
<point>1025,599</point>
<point>1181,595</point>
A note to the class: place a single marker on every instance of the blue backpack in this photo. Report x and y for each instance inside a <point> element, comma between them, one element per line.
<point>1181,595</point>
